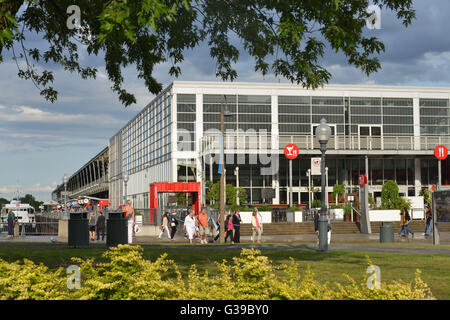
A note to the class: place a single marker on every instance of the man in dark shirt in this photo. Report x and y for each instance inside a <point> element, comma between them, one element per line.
<point>428,223</point>
<point>101,226</point>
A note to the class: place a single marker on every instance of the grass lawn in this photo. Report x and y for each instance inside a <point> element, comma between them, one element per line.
<point>327,266</point>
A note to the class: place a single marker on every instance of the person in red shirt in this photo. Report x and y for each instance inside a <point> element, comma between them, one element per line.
<point>203,226</point>
<point>128,209</point>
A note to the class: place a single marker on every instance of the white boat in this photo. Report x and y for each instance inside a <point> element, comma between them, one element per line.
<point>23,211</point>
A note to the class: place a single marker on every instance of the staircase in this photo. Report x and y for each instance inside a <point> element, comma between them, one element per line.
<point>339,227</point>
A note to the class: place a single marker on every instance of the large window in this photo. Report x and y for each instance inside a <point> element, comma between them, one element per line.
<point>146,138</point>
<point>186,117</point>
<point>398,117</point>
<point>434,117</point>
<point>294,114</point>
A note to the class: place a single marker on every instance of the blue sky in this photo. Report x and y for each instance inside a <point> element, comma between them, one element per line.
<point>40,141</point>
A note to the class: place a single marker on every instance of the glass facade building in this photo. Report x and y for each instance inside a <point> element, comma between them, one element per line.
<point>176,138</point>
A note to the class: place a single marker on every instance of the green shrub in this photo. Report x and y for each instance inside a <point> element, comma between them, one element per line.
<point>294,208</point>
<point>337,206</point>
<point>389,195</point>
<point>264,207</point>
<point>250,276</point>
<point>316,203</point>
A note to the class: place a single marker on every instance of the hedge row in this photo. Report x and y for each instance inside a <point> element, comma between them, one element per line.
<point>127,275</point>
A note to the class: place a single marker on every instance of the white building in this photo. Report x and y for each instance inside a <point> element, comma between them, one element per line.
<point>396,128</point>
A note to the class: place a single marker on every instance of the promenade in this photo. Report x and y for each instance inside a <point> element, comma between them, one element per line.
<point>419,244</point>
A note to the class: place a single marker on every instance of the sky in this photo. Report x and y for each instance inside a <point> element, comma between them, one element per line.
<point>41,141</point>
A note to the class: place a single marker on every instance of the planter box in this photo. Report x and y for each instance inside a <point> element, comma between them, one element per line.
<point>384,215</point>
<point>138,219</point>
<point>298,216</point>
<point>246,216</point>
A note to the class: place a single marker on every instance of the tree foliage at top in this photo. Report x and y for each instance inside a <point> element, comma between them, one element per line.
<point>287,38</point>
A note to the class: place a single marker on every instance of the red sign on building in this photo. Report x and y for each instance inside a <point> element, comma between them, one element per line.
<point>362,180</point>
<point>441,152</point>
<point>291,151</point>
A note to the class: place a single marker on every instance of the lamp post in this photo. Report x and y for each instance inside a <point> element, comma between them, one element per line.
<point>65,179</point>
<point>323,133</point>
<point>224,112</point>
<point>125,180</point>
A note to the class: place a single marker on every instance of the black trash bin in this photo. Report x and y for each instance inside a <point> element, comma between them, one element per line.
<point>116,229</point>
<point>78,231</point>
<point>386,232</point>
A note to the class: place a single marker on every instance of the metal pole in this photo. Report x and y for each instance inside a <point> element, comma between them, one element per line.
<point>236,172</point>
<point>125,195</point>
<point>290,182</point>
<point>326,187</point>
<point>222,184</point>
<point>309,188</point>
<point>436,239</point>
<point>439,175</point>
<point>323,222</point>
<point>65,200</point>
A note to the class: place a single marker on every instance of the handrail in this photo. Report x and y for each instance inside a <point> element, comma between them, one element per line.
<point>355,210</point>
<point>253,140</point>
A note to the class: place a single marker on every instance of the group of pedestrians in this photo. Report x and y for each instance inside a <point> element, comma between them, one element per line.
<point>196,226</point>
<point>97,226</point>
<point>169,221</point>
<point>405,219</point>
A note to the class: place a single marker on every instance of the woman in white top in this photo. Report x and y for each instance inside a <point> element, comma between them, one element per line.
<point>257,226</point>
<point>189,225</point>
<point>165,225</point>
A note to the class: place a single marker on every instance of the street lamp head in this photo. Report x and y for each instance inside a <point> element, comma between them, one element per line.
<point>323,131</point>
<point>65,179</point>
<point>125,177</point>
<point>225,111</point>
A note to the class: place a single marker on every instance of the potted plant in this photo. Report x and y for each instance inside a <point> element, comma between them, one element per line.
<point>348,212</point>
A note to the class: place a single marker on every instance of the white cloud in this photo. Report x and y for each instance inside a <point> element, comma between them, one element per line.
<point>13,189</point>
<point>36,115</point>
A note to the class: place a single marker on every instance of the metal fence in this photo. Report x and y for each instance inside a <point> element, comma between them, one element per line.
<point>43,226</point>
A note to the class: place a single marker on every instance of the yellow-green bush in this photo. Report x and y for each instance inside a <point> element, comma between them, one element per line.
<point>127,275</point>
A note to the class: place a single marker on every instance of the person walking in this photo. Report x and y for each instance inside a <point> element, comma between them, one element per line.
<point>316,225</point>
<point>257,226</point>
<point>203,226</point>
<point>407,221</point>
<point>429,219</point>
<point>92,224</point>
<point>236,219</point>
<point>190,225</point>
<point>11,218</point>
<point>402,224</point>
<point>165,226</point>
<point>217,226</point>
<point>173,224</point>
<point>229,228</point>
<point>101,226</point>
<point>329,229</point>
<point>129,214</point>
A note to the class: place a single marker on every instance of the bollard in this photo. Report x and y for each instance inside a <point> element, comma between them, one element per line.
<point>386,232</point>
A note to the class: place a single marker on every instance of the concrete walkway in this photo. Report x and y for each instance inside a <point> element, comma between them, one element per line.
<point>360,242</point>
